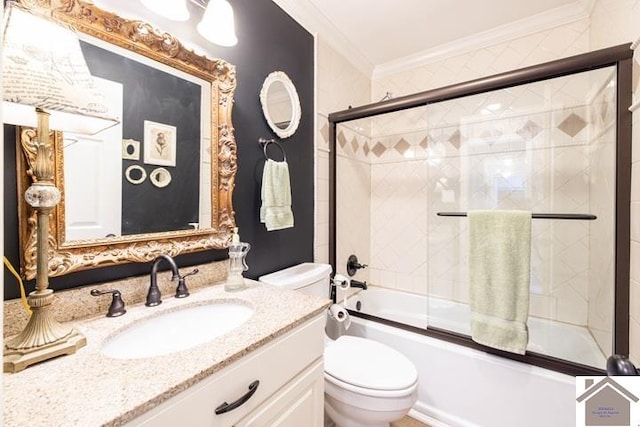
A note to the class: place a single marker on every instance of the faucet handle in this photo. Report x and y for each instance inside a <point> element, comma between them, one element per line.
<point>117,304</point>
<point>181,290</point>
<point>353,265</point>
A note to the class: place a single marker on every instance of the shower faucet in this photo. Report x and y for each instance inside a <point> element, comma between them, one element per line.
<point>353,265</point>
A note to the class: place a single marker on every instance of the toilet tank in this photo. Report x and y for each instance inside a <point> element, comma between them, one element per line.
<point>310,278</point>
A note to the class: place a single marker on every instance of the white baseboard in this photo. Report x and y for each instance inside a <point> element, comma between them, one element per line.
<point>424,418</point>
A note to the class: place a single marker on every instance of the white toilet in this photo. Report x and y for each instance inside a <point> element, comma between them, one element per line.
<point>367,383</point>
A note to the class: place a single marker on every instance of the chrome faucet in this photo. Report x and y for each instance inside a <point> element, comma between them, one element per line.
<point>153,295</point>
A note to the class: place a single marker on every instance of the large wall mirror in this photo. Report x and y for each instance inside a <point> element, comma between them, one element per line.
<point>159,182</point>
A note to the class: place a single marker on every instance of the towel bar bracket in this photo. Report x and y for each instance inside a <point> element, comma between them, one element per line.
<point>263,142</point>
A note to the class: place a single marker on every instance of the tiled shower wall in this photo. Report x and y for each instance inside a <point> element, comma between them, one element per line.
<point>354,187</point>
<point>601,234</point>
<point>469,157</point>
<point>537,48</point>
<point>340,84</point>
<point>611,22</point>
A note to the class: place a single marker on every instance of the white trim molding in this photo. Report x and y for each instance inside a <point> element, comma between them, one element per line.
<point>314,21</point>
<point>559,16</point>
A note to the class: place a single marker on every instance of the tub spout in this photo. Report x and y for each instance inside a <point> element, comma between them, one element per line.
<point>358,284</point>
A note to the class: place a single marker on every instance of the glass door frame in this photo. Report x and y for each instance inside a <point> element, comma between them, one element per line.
<point>619,56</point>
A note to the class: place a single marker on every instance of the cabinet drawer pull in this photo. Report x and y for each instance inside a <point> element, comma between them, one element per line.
<point>226,407</point>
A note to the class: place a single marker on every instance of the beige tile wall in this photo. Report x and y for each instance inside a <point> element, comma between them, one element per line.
<point>600,294</point>
<point>614,22</point>
<point>534,49</point>
<point>338,85</point>
<point>353,199</point>
<point>611,22</point>
<point>475,160</point>
<point>445,277</point>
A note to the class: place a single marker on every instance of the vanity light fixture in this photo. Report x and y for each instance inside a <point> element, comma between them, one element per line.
<point>46,83</point>
<point>217,24</point>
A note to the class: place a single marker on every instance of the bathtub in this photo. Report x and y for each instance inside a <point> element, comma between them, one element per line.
<point>460,386</point>
<point>557,339</point>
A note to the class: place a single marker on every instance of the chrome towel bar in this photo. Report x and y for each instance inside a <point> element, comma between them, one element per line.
<point>264,142</point>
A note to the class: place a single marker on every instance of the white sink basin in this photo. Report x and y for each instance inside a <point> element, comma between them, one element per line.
<point>176,330</point>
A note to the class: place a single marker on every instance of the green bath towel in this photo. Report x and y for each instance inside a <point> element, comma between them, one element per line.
<point>499,275</point>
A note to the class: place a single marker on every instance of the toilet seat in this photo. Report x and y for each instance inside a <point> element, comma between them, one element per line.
<point>369,368</point>
<point>368,392</point>
<point>367,384</point>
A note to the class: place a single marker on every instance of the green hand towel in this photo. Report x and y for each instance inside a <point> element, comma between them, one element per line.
<point>499,275</point>
<point>275,211</point>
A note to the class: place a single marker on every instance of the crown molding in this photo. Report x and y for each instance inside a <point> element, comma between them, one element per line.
<point>314,21</point>
<point>543,21</point>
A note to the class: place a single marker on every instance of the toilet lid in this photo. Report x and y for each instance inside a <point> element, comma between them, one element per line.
<point>368,364</point>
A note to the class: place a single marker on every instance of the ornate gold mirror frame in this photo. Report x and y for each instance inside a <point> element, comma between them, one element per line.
<point>142,38</point>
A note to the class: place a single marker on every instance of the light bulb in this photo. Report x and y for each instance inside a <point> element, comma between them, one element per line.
<point>217,24</point>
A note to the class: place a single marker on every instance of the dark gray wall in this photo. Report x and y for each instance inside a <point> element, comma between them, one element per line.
<point>157,96</point>
<point>269,40</point>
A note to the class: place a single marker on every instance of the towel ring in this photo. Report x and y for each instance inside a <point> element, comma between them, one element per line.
<point>264,142</point>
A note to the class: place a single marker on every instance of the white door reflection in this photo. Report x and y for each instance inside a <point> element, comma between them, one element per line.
<point>92,163</point>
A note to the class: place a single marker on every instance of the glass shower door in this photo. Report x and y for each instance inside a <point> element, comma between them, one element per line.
<point>545,147</point>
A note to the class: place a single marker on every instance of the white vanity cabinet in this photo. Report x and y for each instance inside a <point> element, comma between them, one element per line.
<point>299,403</point>
<point>290,389</point>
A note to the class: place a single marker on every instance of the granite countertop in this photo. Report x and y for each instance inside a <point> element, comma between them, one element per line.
<point>90,389</point>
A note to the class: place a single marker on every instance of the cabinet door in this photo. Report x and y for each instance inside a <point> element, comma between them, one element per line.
<point>299,403</point>
<point>272,364</point>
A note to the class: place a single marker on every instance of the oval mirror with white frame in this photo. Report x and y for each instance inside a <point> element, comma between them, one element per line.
<point>280,104</point>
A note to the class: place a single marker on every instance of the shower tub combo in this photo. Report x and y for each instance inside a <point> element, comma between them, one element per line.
<point>552,139</point>
<point>455,381</point>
